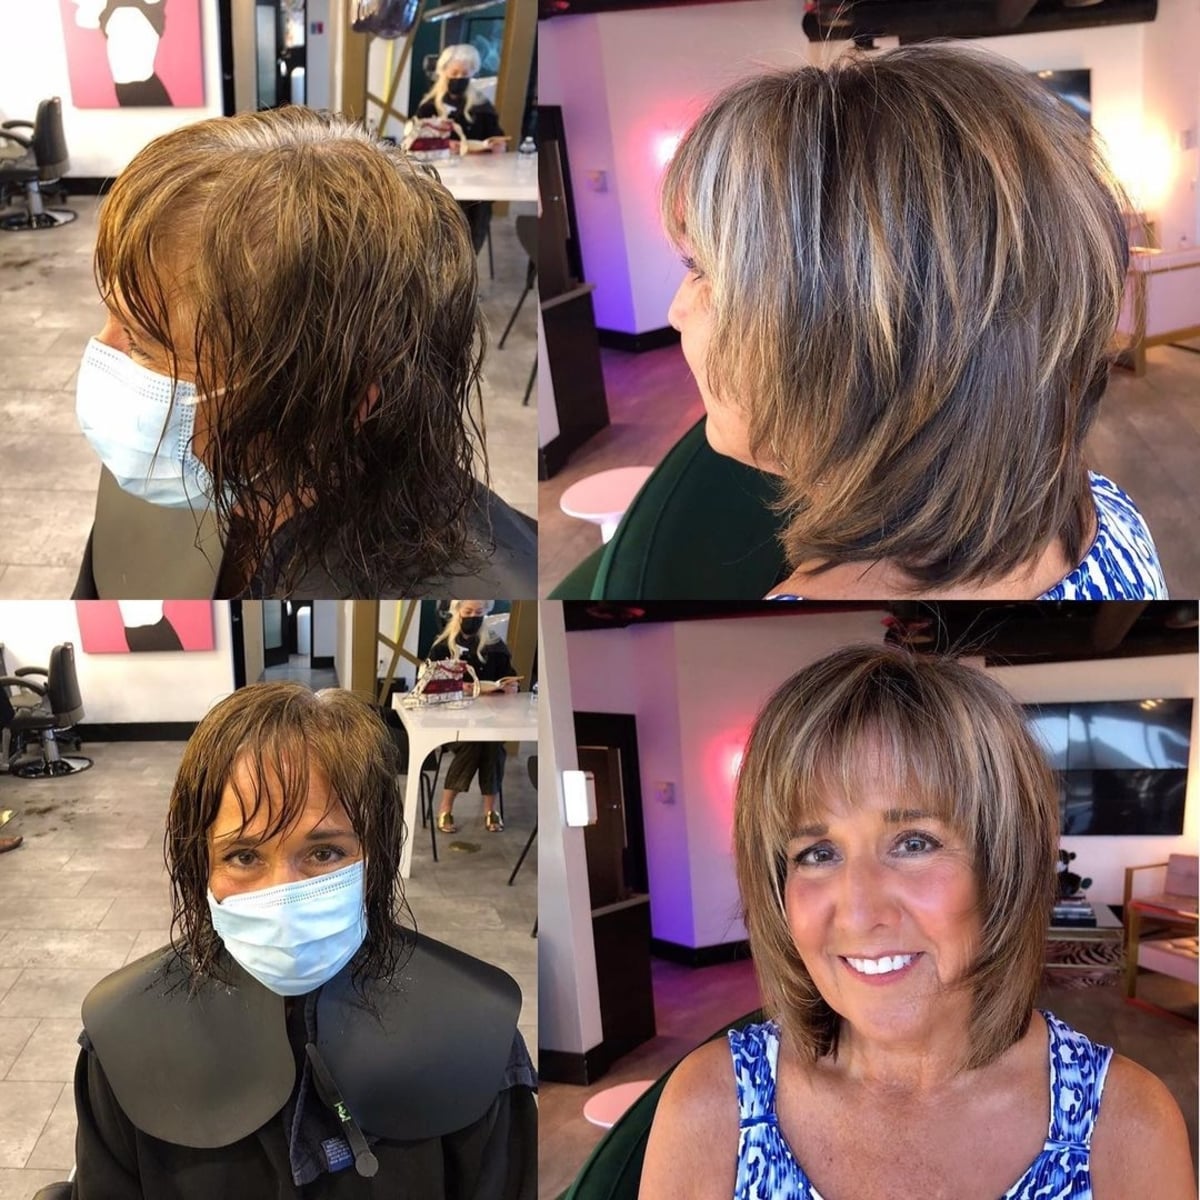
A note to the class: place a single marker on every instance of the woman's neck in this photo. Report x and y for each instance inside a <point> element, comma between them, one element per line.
<point>884,580</point>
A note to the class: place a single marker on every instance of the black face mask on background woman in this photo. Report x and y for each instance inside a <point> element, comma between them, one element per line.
<point>457,87</point>
<point>471,625</point>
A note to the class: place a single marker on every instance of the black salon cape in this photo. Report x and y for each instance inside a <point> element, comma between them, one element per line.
<point>493,1159</point>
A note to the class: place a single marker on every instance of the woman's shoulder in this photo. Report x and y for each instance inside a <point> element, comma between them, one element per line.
<point>1122,562</point>
<point>1140,1122</point>
<point>692,1152</point>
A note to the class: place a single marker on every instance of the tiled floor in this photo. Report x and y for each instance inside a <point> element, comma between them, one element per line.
<point>691,1004</point>
<point>48,473</point>
<point>1147,438</point>
<point>87,892</point>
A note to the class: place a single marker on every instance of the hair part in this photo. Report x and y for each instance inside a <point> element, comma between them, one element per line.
<point>915,264</point>
<point>958,746</point>
<point>297,264</point>
<point>281,735</point>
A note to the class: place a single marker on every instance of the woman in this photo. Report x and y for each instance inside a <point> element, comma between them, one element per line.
<point>895,831</point>
<point>293,339</point>
<point>296,1038</point>
<point>467,639</point>
<point>904,276</point>
<point>456,100</point>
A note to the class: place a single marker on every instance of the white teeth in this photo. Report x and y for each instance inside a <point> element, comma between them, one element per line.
<point>880,966</point>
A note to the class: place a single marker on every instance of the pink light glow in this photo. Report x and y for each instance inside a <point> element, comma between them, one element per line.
<point>665,146</point>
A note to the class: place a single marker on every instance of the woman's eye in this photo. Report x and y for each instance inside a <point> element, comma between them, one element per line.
<point>815,856</point>
<point>690,264</point>
<point>917,843</point>
<point>241,858</point>
<point>328,854</point>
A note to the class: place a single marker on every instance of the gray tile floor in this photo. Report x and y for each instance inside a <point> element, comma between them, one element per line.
<point>1146,438</point>
<point>690,1004</point>
<point>49,308</point>
<point>87,892</point>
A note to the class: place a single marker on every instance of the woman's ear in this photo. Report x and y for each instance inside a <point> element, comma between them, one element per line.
<point>367,405</point>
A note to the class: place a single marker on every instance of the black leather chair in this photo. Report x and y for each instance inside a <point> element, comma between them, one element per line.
<point>59,709</point>
<point>41,166</point>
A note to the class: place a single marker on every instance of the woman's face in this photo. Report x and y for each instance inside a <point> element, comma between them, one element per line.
<point>457,70</point>
<point>472,608</point>
<point>882,904</point>
<point>320,841</point>
<point>691,314</point>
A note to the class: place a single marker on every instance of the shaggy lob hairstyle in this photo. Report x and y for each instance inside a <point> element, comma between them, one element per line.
<point>286,734</point>
<point>915,264</point>
<point>291,262</point>
<point>957,745</point>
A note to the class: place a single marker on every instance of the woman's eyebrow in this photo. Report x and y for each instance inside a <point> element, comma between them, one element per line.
<point>321,832</point>
<point>806,831</point>
<point>901,816</point>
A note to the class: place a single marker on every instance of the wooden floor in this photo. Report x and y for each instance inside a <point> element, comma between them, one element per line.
<point>1147,439</point>
<point>691,1003</point>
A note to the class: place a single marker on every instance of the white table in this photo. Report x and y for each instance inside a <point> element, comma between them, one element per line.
<point>489,177</point>
<point>497,718</point>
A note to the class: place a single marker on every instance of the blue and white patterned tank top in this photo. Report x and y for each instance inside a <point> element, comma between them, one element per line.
<point>767,1169</point>
<point>1121,564</point>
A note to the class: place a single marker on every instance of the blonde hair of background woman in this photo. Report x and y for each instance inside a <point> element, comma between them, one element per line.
<point>914,263</point>
<point>462,55</point>
<point>450,634</point>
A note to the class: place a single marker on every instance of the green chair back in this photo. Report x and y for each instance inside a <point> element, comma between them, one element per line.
<point>701,528</point>
<point>613,1170</point>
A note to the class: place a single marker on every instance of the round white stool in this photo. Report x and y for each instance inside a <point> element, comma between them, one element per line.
<point>607,1107</point>
<point>603,498</point>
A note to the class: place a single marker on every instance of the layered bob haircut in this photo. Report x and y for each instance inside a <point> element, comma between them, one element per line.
<point>285,734</point>
<point>915,263</point>
<point>957,745</point>
<point>294,263</point>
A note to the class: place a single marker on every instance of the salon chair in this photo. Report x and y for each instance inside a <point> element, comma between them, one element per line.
<point>45,724</point>
<point>613,1170</point>
<point>55,1191</point>
<point>701,528</point>
<point>39,168</point>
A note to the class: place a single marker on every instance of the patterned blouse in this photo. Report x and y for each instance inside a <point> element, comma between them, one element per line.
<point>1122,563</point>
<point>767,1169</point>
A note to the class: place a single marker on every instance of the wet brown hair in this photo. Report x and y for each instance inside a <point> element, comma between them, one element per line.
<point>283,733</point>
<point>293,262</point>
<point>958,744</point>
<point>915,262</point>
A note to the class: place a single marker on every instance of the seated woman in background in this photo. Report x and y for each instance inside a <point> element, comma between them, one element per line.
<point>904,277</point>
<point>456,99</point>
<point>293,341</point>
<point>896,836</point>
<point>468,639</point>
<point>296,1038</point>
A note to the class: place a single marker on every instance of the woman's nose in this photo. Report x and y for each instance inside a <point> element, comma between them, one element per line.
<point>678,309</point>
<point>865,900</point>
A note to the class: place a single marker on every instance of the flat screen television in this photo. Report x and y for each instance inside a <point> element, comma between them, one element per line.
<point>1121,764</point>
<point>1073,88</point>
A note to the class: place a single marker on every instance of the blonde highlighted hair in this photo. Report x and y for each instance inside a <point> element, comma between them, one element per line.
<point>956,745</point>
<point>915,262</point>
<point>297,265</point>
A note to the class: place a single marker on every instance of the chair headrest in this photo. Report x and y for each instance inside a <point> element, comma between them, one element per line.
<point>49,143</point>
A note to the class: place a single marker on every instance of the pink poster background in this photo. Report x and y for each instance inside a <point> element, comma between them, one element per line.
<point>101,630</point>
<point>179,62</point>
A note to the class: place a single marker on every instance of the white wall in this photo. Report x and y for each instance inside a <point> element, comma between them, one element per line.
<point>568,994</point>
<point>695,688</point>
<point>1171,119</point>
<point>1104,859</point>
<point>101,141</point>
<point>324,628</point>
<point>344,642</point>
<point>630,81</point>
<point>119,688</point>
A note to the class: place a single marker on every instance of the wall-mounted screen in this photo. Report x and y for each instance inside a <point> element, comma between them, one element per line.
<point>1121,764</point>
<point>1073,88</point>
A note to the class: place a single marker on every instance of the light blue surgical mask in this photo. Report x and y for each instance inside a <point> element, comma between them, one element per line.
<point>295,937</point>
<point>126,413</point>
